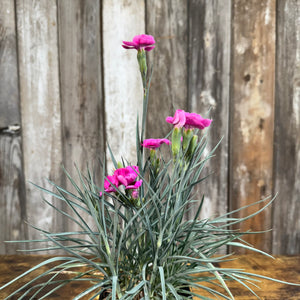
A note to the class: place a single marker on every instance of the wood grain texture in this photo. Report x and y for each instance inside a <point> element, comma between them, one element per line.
<point>252,112</point>
<point>9,90</point>
<point>167,21</point>
<point>80,89</point>
<point>208,88</point>
<point>286,210</point>
<point>40,106</point>
<point>12,191</point>
<point>283,267</point>
<point>12,188</point>
<point>82,107</point>
<point>122,20</point>
<point>286,268</point>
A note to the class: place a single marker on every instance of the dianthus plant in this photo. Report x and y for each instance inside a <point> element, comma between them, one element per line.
<point>141,244</point>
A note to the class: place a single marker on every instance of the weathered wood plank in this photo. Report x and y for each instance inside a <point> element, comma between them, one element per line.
<point>9,90</point>
<point>12,191</point>
<point>252,110</point>
<point>208,88</point>
<point>81,87</point>
<point>12,188</point>
<point>40,106</point>
<point>167,21</point>
<point>122,20</point>
<point>286,210</point>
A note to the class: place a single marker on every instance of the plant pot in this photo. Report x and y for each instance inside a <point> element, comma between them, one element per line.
<point>104,294</point>
<point>183,292</point>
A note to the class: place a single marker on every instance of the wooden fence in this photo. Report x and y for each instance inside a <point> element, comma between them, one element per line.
<point>68,87</point>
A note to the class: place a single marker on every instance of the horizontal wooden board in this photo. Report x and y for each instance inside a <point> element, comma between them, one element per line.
<point>283,267</point>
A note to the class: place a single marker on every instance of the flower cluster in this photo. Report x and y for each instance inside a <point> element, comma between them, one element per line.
<point>186,139</point>
<point>126,177</point>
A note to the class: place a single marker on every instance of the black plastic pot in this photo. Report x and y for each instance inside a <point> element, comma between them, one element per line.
<point>104,294</point>
<point>184,292</point>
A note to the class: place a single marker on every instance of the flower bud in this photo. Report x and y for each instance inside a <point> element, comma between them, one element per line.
<point>155,162</point>
<point>176,141</point>
<point>192,147</point>
<point>141,57</point>
<point>187,136</point>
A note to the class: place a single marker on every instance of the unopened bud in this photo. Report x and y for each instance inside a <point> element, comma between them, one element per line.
<point>141,57</point>
<point>187,136</point>
<point>176,141</point>
<point>192,147</point>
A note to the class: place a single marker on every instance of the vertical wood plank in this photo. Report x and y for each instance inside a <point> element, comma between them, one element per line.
<point>81,87</point>
<point>252,110</point>
<point>122,20</point>
<point>12,188</point>
<point>40,106</point>
<point>167,22</point>
<point>9,92</point>
<point>286,210</point>
<point>12,191</point>
<point>208,88</point>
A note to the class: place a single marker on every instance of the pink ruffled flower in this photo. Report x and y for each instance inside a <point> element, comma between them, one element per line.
<point>188,120</point>
<point>127,176</point>
<point>179,118</point>
<point>154,143</point>
<point>123,176</point>
<point>194,120</point>
<point>142,41</point>
<point>109,184</point>
<point>135,186</point>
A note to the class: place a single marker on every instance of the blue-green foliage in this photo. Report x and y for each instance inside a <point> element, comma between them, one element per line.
<point>145,249</point>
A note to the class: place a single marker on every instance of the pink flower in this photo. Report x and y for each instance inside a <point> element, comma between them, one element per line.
<point>135,186</point>
<point>123,176</point>
<point>194,120</point>
<point>109,182</point>
<point>154,143</point>
<point>188,120</point>
<point>179,118</point>
<point>139,42</point>
<point>127,176</point>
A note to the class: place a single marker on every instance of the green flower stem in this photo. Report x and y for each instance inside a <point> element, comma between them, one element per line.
<point>142,60</point>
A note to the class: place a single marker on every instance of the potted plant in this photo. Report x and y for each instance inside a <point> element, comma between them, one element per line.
<point>140,246</point>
